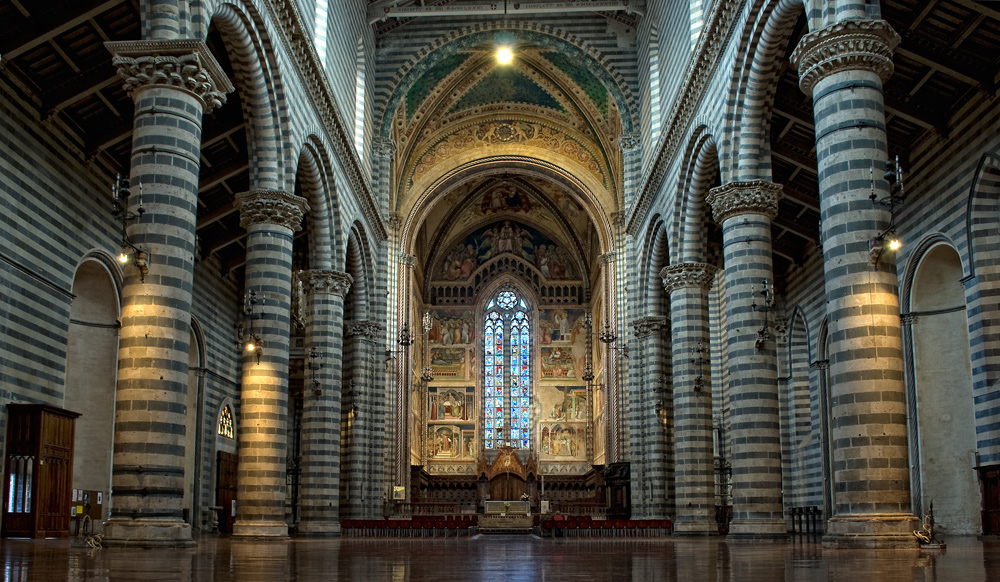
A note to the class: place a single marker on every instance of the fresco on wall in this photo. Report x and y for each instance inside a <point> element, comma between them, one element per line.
<point>505,236</point>
<point>450,404</point>
<point>449,363</point>
<point>451,327</point>
<point>452,441</point>
<point>560,326</point>
<point>562,440</point>
<point>570,404</point>
<point>557,362</point>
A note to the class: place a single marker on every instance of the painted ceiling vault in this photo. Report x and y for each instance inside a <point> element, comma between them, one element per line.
<point>530,145</point>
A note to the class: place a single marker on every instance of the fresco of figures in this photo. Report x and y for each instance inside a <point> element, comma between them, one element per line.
<point>563,403</point>
<point>455,442</point>
<point>561,326</point>
<point>505,236</point>
<point>451,327</point>
<point>562,440</point>
<point>559,363</point>
<point>449,363</point>
<point>451,404</point>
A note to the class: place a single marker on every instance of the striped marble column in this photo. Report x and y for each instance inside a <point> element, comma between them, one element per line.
<point>649,446</point>
<point>361,476</point>
<point>694,456</point>
<point>319,486</point>
<point>843,67</point>
<point>173,83</point>
<point>270,217</point>
<point>745,210</point>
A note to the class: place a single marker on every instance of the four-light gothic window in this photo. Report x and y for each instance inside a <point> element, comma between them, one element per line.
<point>507,379</point>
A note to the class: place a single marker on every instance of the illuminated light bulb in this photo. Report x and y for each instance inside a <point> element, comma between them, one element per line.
<point>251,346</point>
<point>122,258</point>
<point>504,55</point>
<point>894,244</point>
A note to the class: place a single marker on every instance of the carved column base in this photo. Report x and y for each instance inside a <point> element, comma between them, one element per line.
<point>703,527</point>
<point>758,528</point>
<point>260,529</point>
<point>872,531</point>
<point>319,528</point>
<point>147,533</point>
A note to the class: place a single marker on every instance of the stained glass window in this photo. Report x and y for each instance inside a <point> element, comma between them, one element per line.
<point>507,378</point>
<point>226,422</point>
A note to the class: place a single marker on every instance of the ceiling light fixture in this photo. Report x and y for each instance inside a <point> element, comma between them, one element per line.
<point>504,55</point>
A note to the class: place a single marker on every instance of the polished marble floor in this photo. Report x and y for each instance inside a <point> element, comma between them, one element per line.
<point>496,559</point>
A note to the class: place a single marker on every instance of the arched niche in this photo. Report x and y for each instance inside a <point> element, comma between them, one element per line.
<point>942,386</point>
<point>91,373</point>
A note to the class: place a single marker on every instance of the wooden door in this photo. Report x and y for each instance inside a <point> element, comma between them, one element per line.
<point>225,489</point>
<point>989,482</point>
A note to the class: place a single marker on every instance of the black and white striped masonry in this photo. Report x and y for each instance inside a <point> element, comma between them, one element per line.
<point>270,217</point>
<point>745,211</point>
<point>319,486</point>
<point>844,66</point>
<point>688,285</point>
<point>173,84</point>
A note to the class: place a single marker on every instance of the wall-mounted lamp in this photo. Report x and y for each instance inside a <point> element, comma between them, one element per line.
<point>897,194</point>
<point>353,393</point>
<point>315,363</point>
<point>767,293</point>
<point>699,362</point>
<point>245,334</point>
<point>120,192</point>
<point>427,322</point>
<point>405,337</point>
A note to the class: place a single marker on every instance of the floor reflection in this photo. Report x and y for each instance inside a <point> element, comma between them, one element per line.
<point>497,559</point>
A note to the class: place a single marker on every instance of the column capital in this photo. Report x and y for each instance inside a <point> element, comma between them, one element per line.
<point>681,275</point>
<point>260,206</point>
<point>326,281</point>
<point>848,45</point>
<point>407,259</point>
<point>365,328</point>
<point>606,258</point>
<point>384,147</point>
<point>820,365</point>
<point>649,325</point>
<point>629,142</point>
<point>183,64</point>
<point>738,198</point>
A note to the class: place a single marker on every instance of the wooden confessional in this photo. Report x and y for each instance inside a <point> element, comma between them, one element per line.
<point>38,471</point>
